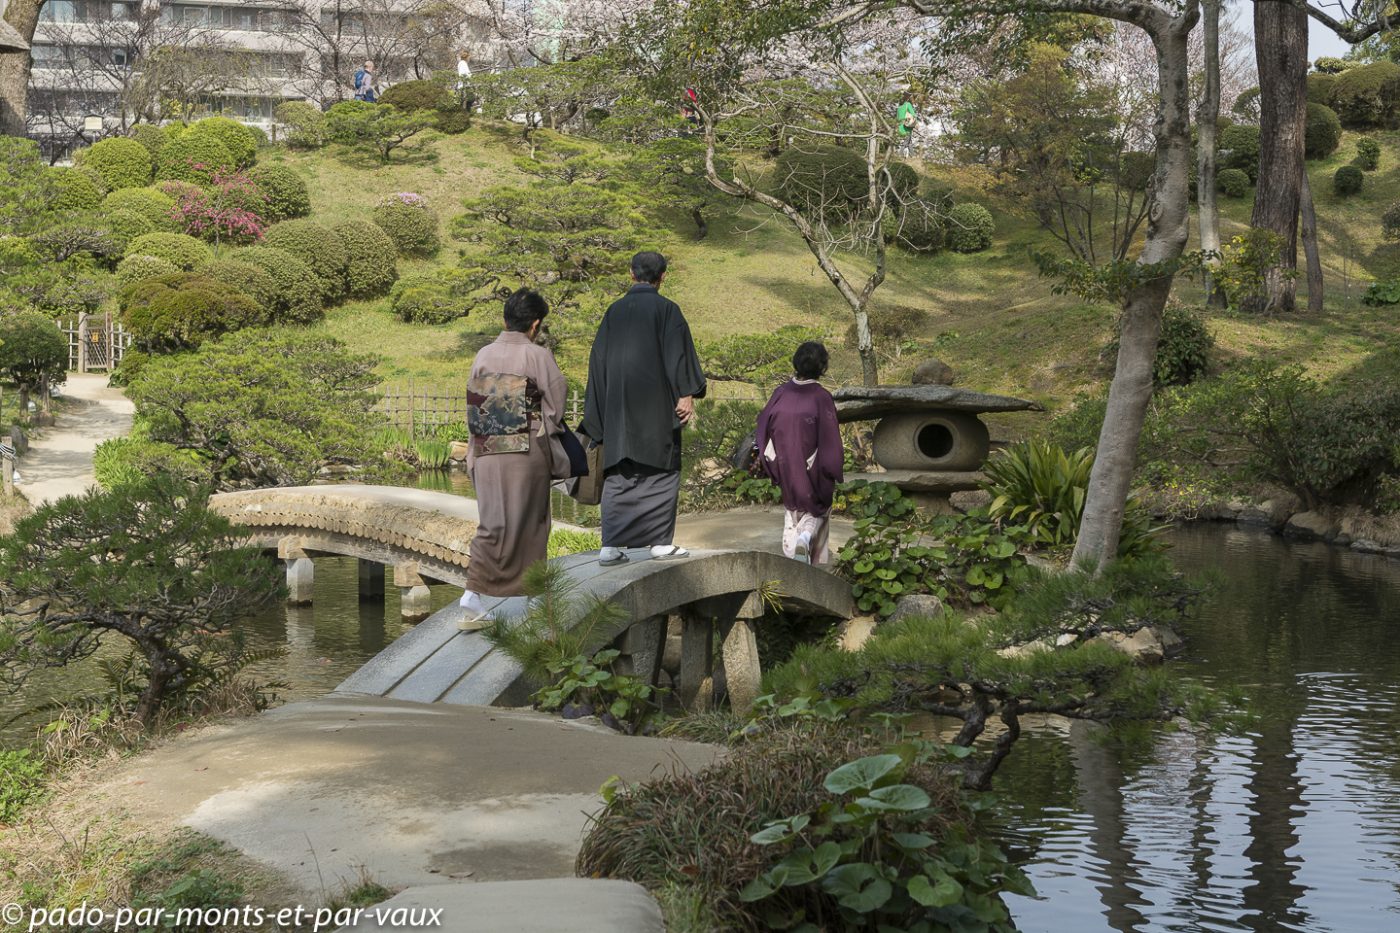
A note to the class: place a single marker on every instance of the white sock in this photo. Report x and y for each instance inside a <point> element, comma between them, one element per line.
<point>662,550</point>
<point>609,553</point>
<point>471,601</point>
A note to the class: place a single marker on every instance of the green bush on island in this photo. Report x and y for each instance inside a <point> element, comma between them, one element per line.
<point>241,144</point>
<point>194,158</point>
<point>303,124</point>
<point>1324,132</point>
<point>969,228</point>
<point>830,181</point>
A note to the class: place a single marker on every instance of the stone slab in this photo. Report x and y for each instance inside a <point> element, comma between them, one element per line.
<point>940,482</point>
<point>558,905</point>
<point>417,794</point>
<point>860,403</point>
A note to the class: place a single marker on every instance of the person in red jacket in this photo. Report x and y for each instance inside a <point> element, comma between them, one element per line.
<point>799,446</point>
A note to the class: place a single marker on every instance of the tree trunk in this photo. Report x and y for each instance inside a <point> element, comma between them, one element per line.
<point>1207,122</point>
<point>702,229</point>
<point>1281,49</point>
<point>1167,231</point>
<point>14,68</point>
<point>149,703</point>
<point>1316,287</point>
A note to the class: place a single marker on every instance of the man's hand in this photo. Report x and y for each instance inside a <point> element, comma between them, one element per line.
<point>685,409</point>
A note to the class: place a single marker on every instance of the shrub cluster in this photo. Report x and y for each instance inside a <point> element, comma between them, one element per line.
<point>241,144</point>
<point>970,228</point>
<point>1239,145</point>
<point>138,268</point>
<point>1323,133</point>
<point>1232,182</point>
<point>1367,96</point>
<point>297,295</point>
<point>194,158</point>
<point>151,204</point>
<point>1348,180</point>
<point>829,181</point>
<point>121,162</point>
<point>430,297</point>
<point>1368,153</point>
<point>432,97</point>
<point>181,250</point>
<point>126,226</point>
<point>151,136</point>
<point>410,223</point>
<point>252,280</point>
<point>178,312</point>
<point>303,124</point>
<point>371,265</point>
<point>284,193</point>
<point>317,246</point>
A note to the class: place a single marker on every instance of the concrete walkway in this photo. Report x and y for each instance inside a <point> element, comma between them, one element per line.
<point>758,528</point>
<point>59,462</point>
<point>416,794</point>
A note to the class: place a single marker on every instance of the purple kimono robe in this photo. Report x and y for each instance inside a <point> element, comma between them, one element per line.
<point>800,423</point>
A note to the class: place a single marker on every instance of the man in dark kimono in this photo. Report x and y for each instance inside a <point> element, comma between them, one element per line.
<point>643,378</point>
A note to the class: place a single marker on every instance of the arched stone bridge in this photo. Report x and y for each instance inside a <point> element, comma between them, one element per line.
<point>674,609</point>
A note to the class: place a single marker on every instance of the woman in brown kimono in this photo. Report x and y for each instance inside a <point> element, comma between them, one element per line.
<point>515,411</point>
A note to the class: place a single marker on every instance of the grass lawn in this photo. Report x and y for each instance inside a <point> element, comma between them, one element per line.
<point>989,315</point>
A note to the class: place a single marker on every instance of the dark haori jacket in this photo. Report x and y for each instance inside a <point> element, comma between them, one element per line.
<point>799,422</point>
<point>643,363</point>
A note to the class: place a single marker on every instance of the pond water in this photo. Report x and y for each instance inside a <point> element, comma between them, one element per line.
<point>1293,824</point>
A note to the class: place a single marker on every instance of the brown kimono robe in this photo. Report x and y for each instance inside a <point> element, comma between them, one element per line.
<point>512,489</point>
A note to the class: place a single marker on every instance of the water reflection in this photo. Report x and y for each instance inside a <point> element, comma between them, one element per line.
<point>1294,825</point>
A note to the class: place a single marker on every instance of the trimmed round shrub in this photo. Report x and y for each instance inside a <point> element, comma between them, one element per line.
<point>1324,132</point>
<point>904,183</point>
<point>1239,147</point>
<point>371,258</point>
<point>183,251</point>
<point>151,204</point>
<point>828,180</point>
<point>194,158</point>
<point>138,268</point>
<point>252,280</point>
<point>1390,223</point>
<point>297,298</point>
<point>303,124</point>
<point>285,192</point>
<point>122,162</point>
<point>126,226</point>
<point>151,136</point>
<point>1183,353</point>
<point>1368,153</point>
<point>181,311</point>
<point>970,228</point>
<point>1368,96</point>
<point>320,248</point>
<point>1348,180</point>
<point>915,230</point>
<point>241,144</point>
<point>410,223</point>
<point>426,298</point>
<point>72,190</point>
<point>409,96</point>
<point>1320,87</point>
<point>1232,182</point>
<point>174,189</point>
<point>260,137</point>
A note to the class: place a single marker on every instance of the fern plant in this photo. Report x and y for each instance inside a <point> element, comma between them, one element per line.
<point>1043,487</point>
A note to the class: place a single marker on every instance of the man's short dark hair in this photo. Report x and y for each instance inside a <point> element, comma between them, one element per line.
<point>523,309</point>
<point>810,360</point>
<point>648,267</point>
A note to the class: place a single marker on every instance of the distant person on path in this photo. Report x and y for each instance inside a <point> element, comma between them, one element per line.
<point>799,446</point>
<point>643,378</point>
<point>365,89</point>
<point>515,413</point>
<point>465,97</point>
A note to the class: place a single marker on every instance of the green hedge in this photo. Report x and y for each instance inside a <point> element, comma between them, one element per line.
<point>241,144</point>
<point>371,267</point>
<point>970,228</point>
<point>72,190</point>
<point>428,298</point>
<point>410,223</point>
<point>827,180</point>
<point>320,248</point>
<point>122,162</point>
<point>151,204</point>
<point>185,252</point>
<point>1368,153</point>
<point>298,291</point>
<point>1324,132</point>
<point>179,312</point>
<point>286,194</point>
<point>193,158</point>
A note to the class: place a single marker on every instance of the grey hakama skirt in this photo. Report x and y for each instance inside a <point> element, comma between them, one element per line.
<point>639,506</point>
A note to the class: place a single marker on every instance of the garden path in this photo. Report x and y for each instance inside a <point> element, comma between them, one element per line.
<point>59,461</point>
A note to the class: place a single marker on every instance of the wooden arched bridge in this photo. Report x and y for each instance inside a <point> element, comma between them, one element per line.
<point>689,623</point>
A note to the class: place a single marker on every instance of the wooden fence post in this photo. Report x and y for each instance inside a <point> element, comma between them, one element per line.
<point>7,464</point>
<point>82,342</point>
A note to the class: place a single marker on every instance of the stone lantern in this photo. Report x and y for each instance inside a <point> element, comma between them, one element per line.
<point>928,438</point>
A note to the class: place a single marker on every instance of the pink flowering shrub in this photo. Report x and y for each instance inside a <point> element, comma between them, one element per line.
<point>230,210</point>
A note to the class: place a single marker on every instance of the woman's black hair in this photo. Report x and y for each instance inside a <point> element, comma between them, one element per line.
<point>523,309</point>
<point>810,360</point>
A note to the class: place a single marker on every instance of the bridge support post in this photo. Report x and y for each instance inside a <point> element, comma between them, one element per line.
<point>301,572</point>
<point>642,647</point>
<point>371,581</point>
<point>742,673</point>
<point>696,689</point>
<point>415,599</point>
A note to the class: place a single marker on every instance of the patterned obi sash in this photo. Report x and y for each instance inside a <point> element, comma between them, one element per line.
<point>501,410</point>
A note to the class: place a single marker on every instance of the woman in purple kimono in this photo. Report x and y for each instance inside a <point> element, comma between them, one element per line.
<point>799,443</point>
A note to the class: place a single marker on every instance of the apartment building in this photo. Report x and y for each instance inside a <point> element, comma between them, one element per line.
<point>140,60</point>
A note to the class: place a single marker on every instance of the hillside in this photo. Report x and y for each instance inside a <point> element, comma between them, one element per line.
<point>987,314</point>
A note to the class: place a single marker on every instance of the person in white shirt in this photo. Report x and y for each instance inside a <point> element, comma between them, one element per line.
<point>464,80</point>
